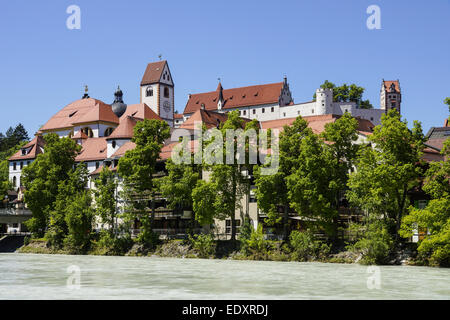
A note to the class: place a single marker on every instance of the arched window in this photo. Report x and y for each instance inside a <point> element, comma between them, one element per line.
<point>149,92</point>
<point>14,181</point>
<point>114,144</point>
<point>166,92</point>
<point>108,131</point>
<point>88,131</point>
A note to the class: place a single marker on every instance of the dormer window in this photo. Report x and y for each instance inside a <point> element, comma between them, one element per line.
<point>24,152</point>
<point>149,92</point>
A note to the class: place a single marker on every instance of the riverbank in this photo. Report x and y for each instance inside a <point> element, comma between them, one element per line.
<point>276,251</point>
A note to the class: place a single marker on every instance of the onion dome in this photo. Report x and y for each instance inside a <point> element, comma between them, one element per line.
<point>118,107</point>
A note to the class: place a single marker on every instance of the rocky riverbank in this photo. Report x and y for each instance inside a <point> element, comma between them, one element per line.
<point>229,250</point>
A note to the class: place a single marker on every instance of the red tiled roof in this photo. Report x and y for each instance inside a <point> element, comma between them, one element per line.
<point>72,113</point>
<point>79,135</point>
<point>140,111</point>
<point>437,143</point>
<point>97,171</point>
<point>37,144</point>
<point>209,118</point>
<point>123,149</point>
<point>387,85</point>
<point>100,112</point>
<point>166,151</point>
<point>153,72</point>
<point>235,97</point>
<point>125,129</point>
<point>92,149</point>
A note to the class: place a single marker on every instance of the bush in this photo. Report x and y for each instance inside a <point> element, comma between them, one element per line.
<point>375,245</point>
<point>203,244</point>
<point>108,244</point>
<point>305,247</point>
<point>253,244</point>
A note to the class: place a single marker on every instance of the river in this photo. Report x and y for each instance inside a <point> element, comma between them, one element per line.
<point>30,276</point>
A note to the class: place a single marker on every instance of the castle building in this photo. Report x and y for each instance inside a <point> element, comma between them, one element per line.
<point>274,101</point>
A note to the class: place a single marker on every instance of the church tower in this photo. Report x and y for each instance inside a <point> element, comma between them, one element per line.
<point>390,95</point>
<point>157,90</point>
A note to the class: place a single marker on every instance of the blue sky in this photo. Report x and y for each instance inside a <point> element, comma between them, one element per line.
<point>44,65</point>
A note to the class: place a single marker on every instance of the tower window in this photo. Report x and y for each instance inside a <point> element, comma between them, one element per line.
<point>254,111</point>
<point>14,181</point>
<point>272,109</point>
<point>114,144</point>
<point>149,92</point>
<point>262,110</point>
<point>14,166</point>
<point>245,112</point>
<point>21,165</point>
<point>393,104</point>
<point>166,92</point>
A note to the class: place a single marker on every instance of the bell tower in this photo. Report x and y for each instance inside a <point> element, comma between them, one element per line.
<point>390,95</point>
<point>157,90</point>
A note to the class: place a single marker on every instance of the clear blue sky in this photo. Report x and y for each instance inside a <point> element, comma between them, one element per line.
<point>44,65</point>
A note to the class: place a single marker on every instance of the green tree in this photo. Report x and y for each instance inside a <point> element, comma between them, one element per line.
<point>42,178</point>
<point>435,218</point>
<point>341,137</point>
<point>105,198</point>
<point>447,102</point>
<point>79,219</point>
<point>68,192</point>
<point>178,185</point>
<point>137,168</point>
<point>311,188</point>
<point>272,190</point>
<point>386,171</point>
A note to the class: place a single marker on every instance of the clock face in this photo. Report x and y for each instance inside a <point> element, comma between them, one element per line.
<point>166,106</point>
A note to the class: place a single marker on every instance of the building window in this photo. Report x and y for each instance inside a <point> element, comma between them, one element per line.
<point>272,109</point>
<point>393,104</point>
<point>312,110</point>
<point>245,112</point>
<point>97,165</point>
<point>108,131</point>
<point>14,166</point>
<point>149,92</point>
<point>262,110</point>
<point>24,152</point>
<point>14,182</point>
<point>88,131</point>
<point>28,163</point>
<point>114,144</point>
<point>21,165</point>
<point>254,111</point>
<point>284,114</point>
<point>166,92</point>
<point>228,226</point>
